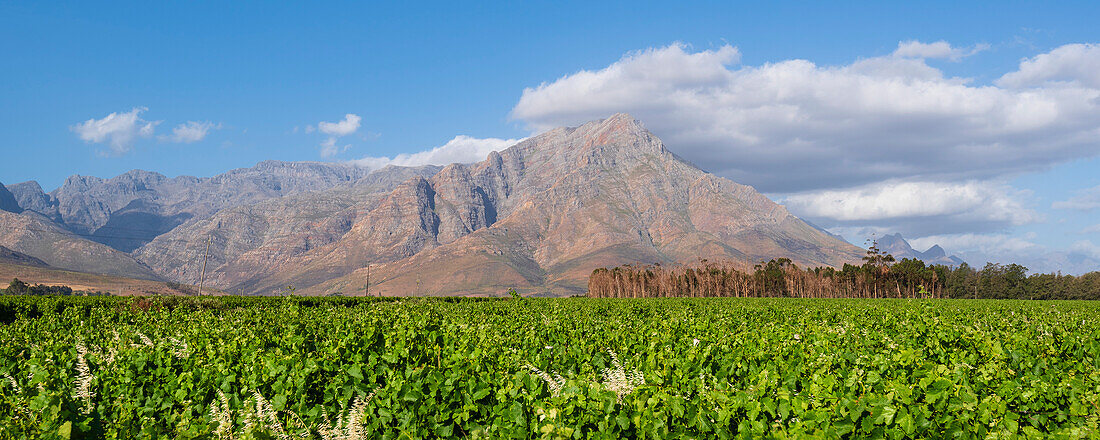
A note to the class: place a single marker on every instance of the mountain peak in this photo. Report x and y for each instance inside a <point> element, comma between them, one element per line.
<point>7,201</point>
<point>935,252</point>
<point>897,246</point>
<point>621,123</point>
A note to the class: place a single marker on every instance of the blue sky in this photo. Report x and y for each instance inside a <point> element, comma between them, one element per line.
<point>257,79</point>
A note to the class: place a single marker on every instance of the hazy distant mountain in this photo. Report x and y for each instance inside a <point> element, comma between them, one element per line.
<point>129,210</point>
<point>897,246</point>
<point>538,216</point>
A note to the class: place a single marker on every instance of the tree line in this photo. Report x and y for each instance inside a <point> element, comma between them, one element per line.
<point>17,287</point>
<point>880,276</point>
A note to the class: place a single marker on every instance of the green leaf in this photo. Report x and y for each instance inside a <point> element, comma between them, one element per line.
<point>356,372</point>
<point>66,430</point>
<point>279,402</point>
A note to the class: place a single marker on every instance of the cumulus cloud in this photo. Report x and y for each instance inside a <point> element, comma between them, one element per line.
<point>118,130</point>
<point>793,125</point>
<point>340,128</point>
<point>917,207</point>
<point>1073,65</point>
<point>336,130</point>
<point>461,149</point>
<point>1086,200</point>
<point>939,49</point>
<point>329,147</point>
<point>1094,229</point>
<point>1088,248</point>
<point>191,131</point>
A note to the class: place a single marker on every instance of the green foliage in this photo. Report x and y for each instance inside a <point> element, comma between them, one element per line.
<point>710,368</point>
<point>17,287</point>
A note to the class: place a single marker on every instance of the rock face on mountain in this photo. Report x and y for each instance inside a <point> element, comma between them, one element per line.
<point>7,201</point>
<point>30,197</point>
<point>897,246</point>
<point>538,217</point>
<point>254,241</point>
<point>130,210</point>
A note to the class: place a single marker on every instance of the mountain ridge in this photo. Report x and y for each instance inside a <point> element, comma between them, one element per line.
<point>537,216</point>
<point>898,247</point>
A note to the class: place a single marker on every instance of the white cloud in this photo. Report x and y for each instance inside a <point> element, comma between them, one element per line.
<point>889,200</point>
<point>1094,229</point>
<point>989,244</point>
<point>793,126</point>
<point>118,130</point>
<point>1086,200</point>
<point>191,131</point>
<point>329,148</point>
<point>339,128</point>
<point>917,207</point>
<point>461,149</point>
<point>939,49</point>
<point>335,130</point>
<point>1087,247</point>
<point>1075,65</point>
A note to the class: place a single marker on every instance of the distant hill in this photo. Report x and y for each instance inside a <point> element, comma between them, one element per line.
<point>538,216</point>
<point>33,235</point>
<point>13,257</point>
<point>115,285</point>
<point>897,246</point>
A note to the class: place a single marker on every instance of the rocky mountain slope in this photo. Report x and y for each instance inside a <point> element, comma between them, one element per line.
<point>144,204</point>
<point>32,235</point>
<point>538,217</point>
<point>897,246</point>
<point>7,201</point>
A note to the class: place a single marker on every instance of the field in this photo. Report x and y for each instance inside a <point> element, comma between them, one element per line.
<point>114,285</point>
<point>293,367</point>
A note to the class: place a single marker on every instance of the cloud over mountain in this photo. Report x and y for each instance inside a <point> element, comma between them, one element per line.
<point>942,206</point>
<point>117,130</point>
<point>795,126</point>
<point>191,131</point>
<point>347,126</point>
<point>461,149</point>
<point>335,130</point>
<point>884,143</point>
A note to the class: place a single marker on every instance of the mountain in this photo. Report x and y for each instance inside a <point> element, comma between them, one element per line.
<point>538,216</point>
<point>897,246</point>
<point>33,235</point>
<point>256,240</point>
<point>9,256</point>
<point>130,210</point>
<point>7,201</point>
<point>30,197</point>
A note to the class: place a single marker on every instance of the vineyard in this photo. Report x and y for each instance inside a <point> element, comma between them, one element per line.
<point>342,368</point>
